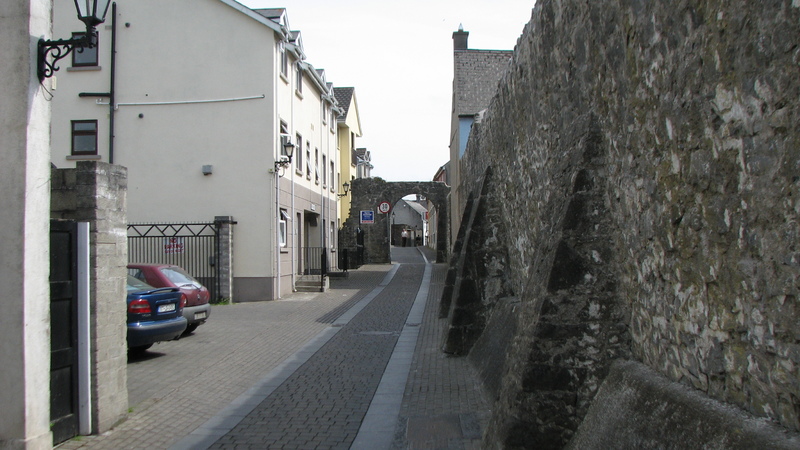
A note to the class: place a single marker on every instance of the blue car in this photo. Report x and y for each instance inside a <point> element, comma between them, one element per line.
<point>154,315</point>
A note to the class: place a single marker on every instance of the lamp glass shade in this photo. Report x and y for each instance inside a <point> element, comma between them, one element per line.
<point>346,188</point>
<point>92,12</point>
<point>289,149</point>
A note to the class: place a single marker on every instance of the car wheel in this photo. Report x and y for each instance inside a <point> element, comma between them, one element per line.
<point>140,349</point>
<point>191,328</point>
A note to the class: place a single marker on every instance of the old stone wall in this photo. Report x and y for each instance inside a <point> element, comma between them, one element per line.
<point>96,192</point>
<point>367,193</point>
<point>648,154</point>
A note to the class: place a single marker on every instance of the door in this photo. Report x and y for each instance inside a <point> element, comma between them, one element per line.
<point>63,330</point>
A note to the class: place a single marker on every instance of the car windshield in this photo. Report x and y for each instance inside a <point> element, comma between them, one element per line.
<point>179,277</point>
<point>135,284</point>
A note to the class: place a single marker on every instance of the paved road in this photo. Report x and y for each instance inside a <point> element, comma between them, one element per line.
<point>358,366</point>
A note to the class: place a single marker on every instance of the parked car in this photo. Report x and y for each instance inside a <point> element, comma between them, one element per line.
<point>197,308</point>
<point>154,315</point>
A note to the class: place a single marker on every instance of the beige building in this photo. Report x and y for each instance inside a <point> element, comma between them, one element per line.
<point>349,124</point>
<point>198,102</point>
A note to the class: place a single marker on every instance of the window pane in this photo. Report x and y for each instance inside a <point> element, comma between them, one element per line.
<point>83,144</point>
<point>84,137</point>
<point>85,56</point>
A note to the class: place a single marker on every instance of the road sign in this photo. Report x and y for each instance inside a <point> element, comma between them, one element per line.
<point>367,216</point>
<point>384,207</point>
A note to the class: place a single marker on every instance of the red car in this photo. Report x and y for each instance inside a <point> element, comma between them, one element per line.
<point>197,308</point>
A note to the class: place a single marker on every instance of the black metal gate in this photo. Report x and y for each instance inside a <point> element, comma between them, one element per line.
<point>193,246</point>
<point>63,330</point>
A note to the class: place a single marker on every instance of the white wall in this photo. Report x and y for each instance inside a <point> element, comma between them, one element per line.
<point>24,230</point>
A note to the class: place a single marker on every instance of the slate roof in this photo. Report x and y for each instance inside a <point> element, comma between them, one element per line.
<point>343,96</point>
<point>477,73</point>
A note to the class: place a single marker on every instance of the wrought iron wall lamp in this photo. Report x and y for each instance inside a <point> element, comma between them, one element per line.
<point>288,148</point>
<point>346,188</point>
<point>90,12</point>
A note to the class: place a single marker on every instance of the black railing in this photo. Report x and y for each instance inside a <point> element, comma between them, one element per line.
<point>193,246</point>
<point>315,261</point>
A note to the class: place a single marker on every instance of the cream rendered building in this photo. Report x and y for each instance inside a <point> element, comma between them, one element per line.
<point>197,98</point>
<point>349,124</point>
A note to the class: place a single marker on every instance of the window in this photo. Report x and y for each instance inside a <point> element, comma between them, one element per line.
<point>316,165</point>
<point>324,172</point>
<point>284,61</point>
<point>333,172</point>
<point>84,137</point>
<point>284,136</point>
<point>282,237</point>
<point>308,160</point>
<point>299,86</point>
<point>324,112</point>
<point>298,152</point>
<point>82,57</point>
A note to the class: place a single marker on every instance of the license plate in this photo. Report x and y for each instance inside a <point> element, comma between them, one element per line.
<point>166,308</point>
<point>200,315</point>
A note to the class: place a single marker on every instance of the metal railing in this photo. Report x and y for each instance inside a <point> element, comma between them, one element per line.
<point>193,246</point>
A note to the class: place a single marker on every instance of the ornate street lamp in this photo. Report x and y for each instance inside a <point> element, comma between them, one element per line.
<point>288,149</point>
<point>90,12</point>
<point>346,188</point>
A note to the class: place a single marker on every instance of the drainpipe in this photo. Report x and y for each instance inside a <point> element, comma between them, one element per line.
<point>112,91</point>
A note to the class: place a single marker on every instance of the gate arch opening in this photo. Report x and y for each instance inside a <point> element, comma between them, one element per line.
<point>369,229</point>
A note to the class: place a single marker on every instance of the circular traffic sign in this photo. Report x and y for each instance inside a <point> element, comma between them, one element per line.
<point>384,207</point>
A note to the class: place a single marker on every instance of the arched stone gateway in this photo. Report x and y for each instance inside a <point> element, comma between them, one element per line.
<point>372,238</point>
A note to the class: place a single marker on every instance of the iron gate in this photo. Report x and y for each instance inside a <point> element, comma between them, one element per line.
<point>193,246</point>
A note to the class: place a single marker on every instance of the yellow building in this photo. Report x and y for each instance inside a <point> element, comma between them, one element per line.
<point>349,125</point>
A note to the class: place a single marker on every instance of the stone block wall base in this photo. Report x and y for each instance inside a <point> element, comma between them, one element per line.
<point>638,408</point>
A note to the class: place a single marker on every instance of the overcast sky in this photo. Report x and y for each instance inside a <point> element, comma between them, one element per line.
<point>399,58</point>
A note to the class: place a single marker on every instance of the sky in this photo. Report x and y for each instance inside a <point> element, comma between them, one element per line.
<point>399,58</point>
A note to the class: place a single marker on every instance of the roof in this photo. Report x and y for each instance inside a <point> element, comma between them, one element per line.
<point>343,96</point>
<point>477,73</point>
<point>273,14</point>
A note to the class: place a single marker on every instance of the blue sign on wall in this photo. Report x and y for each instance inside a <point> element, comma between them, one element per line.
<point>367,216</point>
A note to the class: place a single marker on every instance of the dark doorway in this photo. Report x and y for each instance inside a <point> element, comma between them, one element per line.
<point>63,330</point>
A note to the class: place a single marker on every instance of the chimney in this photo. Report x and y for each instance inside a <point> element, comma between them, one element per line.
<point>460,38</point>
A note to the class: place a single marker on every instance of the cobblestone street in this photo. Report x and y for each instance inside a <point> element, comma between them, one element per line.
<point>358,366</point>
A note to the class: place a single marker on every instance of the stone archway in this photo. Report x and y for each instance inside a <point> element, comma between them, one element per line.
<point>367,193</point>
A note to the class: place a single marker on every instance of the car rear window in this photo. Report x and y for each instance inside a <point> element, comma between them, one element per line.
<point>135,284</point>
<point>179,277</point>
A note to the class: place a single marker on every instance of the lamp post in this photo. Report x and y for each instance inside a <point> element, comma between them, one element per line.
<point>90,12</point>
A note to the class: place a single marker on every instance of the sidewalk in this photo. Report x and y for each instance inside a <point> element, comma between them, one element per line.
<point>367,373</point>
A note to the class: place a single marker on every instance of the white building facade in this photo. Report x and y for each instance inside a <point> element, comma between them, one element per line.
<point>198,102</point>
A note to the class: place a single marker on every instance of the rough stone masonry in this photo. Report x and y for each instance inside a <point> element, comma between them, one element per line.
<point>637,182</point>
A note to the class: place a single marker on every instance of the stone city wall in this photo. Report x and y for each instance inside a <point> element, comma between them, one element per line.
<point>647,158</point>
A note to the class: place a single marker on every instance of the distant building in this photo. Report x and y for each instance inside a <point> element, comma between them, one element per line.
<point>349,126</point>
<point>475,77</point>
<point>363,163</point>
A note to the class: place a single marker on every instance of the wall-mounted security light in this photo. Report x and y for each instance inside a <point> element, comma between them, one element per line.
<point>208,169</point>
<point>90,12</point>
